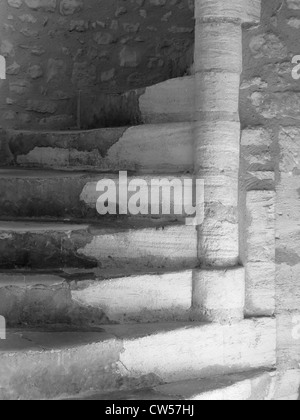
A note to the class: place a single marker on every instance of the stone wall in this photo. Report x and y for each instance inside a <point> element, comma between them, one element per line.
<point>270,98</point>
<point>58,50</point>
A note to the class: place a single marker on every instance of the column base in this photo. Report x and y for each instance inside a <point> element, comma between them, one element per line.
<point>219,295</point>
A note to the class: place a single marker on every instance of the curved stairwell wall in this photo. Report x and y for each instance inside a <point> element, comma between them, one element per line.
<point>269,97</point>
<point>56,48</point>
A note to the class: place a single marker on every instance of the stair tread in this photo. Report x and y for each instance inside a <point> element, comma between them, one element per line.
<point>128,244</point>
<point>105,130</point>
<point>79,297</point>
<point>233,385</point>
<point>74,275</point>
<point>65,337</point>
<point>66,195</point>
<point>19,172</point>
<point>112,357</point>
<point>18,341</point>
<point>64,132</point>
<point>58,337</point>
<point>152,147</point>
<point>55,337</point>
<point>110,223</point>
<point>189,390</point>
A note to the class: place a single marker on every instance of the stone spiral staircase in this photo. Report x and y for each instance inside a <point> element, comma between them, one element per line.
<point>104,307</point>
<point>102,304</point>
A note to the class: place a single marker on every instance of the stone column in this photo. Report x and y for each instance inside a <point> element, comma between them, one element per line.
<point>218,66</point>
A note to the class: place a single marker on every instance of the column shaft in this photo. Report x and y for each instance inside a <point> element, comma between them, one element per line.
<point>218,64</point>
<point>219,283</point>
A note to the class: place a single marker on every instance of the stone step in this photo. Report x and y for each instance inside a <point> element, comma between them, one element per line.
<point>168,101</point>
<point>81,297</point>
<point>156,148</point>
<point>150,148</point>
<point>87,297</point>
<point>164,148</point>
<point>74,195</point>
<point>248,386</point>
<point>35,365</point>
<point>135,245</point>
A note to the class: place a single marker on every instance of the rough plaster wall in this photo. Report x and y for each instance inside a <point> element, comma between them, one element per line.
<point>270,97</point>
<point>54,48</point>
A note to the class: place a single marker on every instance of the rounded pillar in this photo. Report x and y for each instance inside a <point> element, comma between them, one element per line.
<point>219,284</point>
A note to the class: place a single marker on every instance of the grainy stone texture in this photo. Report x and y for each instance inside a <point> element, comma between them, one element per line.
<point>160,148</point>
<point>218,236</point>
<point>218,66</point>
<point>163,148</point>
<point>136,245</point>
<point>270,104</point>
<point>257,386</point>
<point>248,342</point>
<point>48,195</point>
<point>129,357</point>
<point>85,297</point>
<point>117,55</point>
<point>54,48</point>
<point>260,253</point>
<point>219,295</point>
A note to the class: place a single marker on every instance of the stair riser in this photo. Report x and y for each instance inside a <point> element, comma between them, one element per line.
<point>258,386</point>
<point>51,374</point>
<point>210,351</point>
<point>157,148</point>
<point>32,197</point>
<point>38,305</point>
<point>172,296</point>
<point>165,148</point>
<point>75,197</point>
<point>134,361</point>
<point>163,248</point>
<point>142,299</point>
<point>168,101</point>
<point>147,298</point>
<point>44,249</point>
